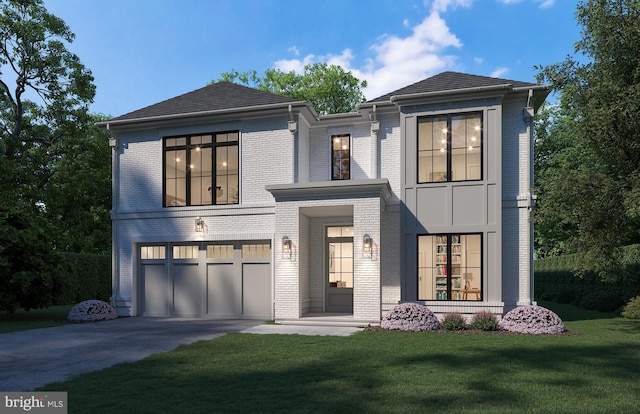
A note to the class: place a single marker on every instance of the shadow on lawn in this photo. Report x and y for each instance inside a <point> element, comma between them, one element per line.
<point>563,376</point>
<point>339,376</point>
<point>570,313</point>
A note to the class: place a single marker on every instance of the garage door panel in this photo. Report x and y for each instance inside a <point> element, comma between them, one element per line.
<point>156,290</point>
<point>187,290</point>
<point>222,299</point>
<point>256,290</point>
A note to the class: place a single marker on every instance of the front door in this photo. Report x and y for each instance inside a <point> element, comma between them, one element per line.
<point>339,276</point>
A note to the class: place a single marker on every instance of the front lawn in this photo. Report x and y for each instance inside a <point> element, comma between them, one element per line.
<point>22,320</point>
<point>595,369</point>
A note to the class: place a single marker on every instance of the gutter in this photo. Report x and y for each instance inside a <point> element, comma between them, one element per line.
<point>116,122</point>
<point>115,253</point>
<point>449,92</point>
<point>454,92</point>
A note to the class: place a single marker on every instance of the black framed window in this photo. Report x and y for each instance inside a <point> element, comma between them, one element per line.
<point>340,157</point>
<point>450,267</point>
<point>201,169</point>
<point>450,147</point>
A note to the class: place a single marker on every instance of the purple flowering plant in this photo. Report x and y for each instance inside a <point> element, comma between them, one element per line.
<point>410,317</point>
<point>91,311</point>
<point>532,319</point>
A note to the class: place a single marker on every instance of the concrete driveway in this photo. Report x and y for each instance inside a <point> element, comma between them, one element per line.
<point>30,359</point>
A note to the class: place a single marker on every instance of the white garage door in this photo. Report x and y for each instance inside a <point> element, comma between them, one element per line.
<point>227,280</point>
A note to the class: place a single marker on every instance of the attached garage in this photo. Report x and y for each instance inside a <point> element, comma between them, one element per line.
<point>223,280</point>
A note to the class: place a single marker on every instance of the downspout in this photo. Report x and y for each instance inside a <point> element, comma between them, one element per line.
<point>115,254</point>
<point>293,128</point>
<point>527,199</point>
<point>375,127</point>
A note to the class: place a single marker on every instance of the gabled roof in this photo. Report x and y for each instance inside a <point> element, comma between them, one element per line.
<point>217,97</point>
<point>447,81</point>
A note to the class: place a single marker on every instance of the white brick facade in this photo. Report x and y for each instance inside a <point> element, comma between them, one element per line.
<point>286,193</point>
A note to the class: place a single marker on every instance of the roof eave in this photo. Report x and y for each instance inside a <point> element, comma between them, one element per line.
<point>540,97</point>
<point>202,114</point>
<point>504,88</point>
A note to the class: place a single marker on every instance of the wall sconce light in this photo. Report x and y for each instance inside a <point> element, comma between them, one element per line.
<point>293,127</point>
<point>199,225</point>
<point>375,127</point>
<point>367,246</point>
<point>286,248</point>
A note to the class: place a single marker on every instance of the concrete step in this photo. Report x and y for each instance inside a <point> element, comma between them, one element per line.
<point>316,321</point>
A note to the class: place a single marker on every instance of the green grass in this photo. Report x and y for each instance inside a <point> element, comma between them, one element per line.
<point>595,369</point>
<point>22,320</point>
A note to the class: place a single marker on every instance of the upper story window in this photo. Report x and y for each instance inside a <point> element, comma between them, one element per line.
<point>450,147</point>
<point>340,157</point>
<point>201,169</point>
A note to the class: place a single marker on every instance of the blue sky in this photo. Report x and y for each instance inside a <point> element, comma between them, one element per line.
<point>145,51</point>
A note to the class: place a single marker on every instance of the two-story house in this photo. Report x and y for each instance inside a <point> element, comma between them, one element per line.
<point>229,202</point>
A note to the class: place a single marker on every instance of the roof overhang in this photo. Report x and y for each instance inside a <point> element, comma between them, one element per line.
<point>332,189</point>
<point>540,92</point>
<point>244,112</point>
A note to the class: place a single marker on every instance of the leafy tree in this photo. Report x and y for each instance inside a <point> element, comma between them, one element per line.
<point>77,194</point>
<point>32,47</point>
<point>31,272</point>
<point>44,95</point>
<point>593,179</point>
<point>329,88</point>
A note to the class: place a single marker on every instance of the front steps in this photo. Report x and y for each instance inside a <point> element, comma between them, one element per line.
<point>327,320</point>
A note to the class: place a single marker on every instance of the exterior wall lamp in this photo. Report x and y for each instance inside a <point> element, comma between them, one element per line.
<point>286,248</point>
<point>199,225</point>
<point>367,246</point>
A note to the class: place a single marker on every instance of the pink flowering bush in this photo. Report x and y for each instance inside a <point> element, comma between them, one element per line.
<point>91,311</point>
<point>410,317</point>
<point>532,320</point>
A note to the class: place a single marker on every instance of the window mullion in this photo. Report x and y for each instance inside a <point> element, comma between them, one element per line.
<point>187,168</point>
<point>449,268</point>
<point>214,171</point>
<point>449,151</point>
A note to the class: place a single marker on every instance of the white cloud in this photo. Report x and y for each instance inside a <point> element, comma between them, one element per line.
<point>499,72</point>
<point>509,1</point>
<point>443,5</point>
<point>296,65</point>
<point>397,61</point>
<point>406,23</point>
<point>294,50</point>
<point>545,3</point>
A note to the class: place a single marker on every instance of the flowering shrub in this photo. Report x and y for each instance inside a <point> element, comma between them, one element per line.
<point>532,320</point>
<point>632,309</point>
<point>91,311</point>
<point>453,321</point>
<point>410,317</point>
<point>485,321</point>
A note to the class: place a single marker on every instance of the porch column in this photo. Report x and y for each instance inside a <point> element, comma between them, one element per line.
<point>286,270</point>
<point>367,298</point>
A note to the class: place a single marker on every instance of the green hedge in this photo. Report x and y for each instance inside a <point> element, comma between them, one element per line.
<point>555,280</point>
<point>88,277</point>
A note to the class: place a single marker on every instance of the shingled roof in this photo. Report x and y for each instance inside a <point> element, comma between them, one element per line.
<point>446,81</point>
<point>219,96</point>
